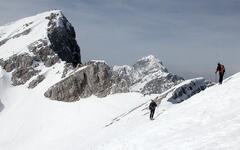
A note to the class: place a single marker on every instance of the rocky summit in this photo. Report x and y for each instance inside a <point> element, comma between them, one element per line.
<point>42,49</point>
<point>62,37</point>
<point>41,40</point>
<point>148,76</point>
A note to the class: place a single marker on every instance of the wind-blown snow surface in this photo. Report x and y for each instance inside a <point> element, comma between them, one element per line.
<point>209,120</point>
<point>16,36</point>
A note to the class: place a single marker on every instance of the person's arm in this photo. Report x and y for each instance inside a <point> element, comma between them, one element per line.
<point>222,68</point>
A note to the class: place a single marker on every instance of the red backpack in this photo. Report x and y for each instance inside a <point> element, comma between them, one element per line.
<point>222,69</point>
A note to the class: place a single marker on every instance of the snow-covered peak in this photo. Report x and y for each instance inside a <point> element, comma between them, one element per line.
<point>11,29</point>
<point>30,46</point>
<point>49,30</point>
<point>149,63</point>
<point>17,36</point>
<point>150,58</point>
<point>147,75</point>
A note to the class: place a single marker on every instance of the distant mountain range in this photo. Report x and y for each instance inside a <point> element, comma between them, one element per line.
<point>32,48</point>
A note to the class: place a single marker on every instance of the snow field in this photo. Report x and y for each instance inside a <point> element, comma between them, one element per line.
<point>208,120</point>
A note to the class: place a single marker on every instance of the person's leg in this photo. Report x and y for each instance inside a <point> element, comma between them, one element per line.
<point>220,78</point>
<point>151,114</point>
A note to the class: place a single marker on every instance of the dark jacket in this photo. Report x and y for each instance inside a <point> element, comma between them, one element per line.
<point>220,68</point>
<point>152,105</point>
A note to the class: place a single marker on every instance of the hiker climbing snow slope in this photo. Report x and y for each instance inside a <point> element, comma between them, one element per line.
<point>221,70</point>
<point>152,107</point>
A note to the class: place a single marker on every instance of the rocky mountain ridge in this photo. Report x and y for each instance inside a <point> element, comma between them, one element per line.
<point>43,47</point>
<point>148,76</point>
<point>45,38</point>
<point>92,78</point>
<point>32,47</point>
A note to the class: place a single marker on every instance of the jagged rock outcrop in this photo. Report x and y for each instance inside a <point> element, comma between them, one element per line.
<point>92,78</point>
<point>36,81</point>
<point>183,91</point>
<point>62,38</point>
<point>67,67</point>
<point>22,75</point>
<point>148,76</point>
<point>17,61</point>
<point>50,39</point>
<point>188,88</point>
<point>43,52</point>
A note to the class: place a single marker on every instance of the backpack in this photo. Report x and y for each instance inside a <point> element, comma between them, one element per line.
<point>223,68</point>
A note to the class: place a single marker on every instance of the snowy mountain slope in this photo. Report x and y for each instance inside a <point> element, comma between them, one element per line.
<point>17,36</point>
<point>33,122</point>
<point>165,101</point>
<point>30,46</point>
<point>208,120</point>
<point>30,121</point>
<point>148,76</point>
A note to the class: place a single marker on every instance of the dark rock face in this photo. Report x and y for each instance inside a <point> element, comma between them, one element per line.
<point>188,89</point>
<point>94,78</point>
<point>36,81</point>
<point>22,75</point>
<point>62,39</point>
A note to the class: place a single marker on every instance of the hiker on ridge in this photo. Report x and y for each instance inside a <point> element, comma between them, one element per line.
<point>152,107</point>
<point>221,70</point>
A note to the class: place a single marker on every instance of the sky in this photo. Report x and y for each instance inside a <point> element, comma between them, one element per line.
<point>188,36</point>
